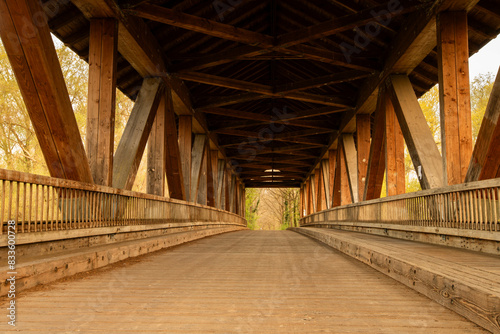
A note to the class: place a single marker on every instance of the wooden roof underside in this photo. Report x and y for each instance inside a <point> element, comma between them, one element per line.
<point>273,94</point>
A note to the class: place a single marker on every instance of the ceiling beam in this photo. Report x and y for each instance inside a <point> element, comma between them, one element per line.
<point>322,81</point>
<point>345,23</point>
<point>214,80</point>
<point>274,137</point>
<point>194,23</point>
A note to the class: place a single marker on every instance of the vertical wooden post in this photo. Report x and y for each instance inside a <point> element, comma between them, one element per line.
<point>185,143</point>
<point>212,177</point>
<point>342,192</point>
<point>30,48</point>
<point>301,201</point>
<point>197,158</point>
<point>363,136</point>
<point>221,193</point>
<point>243,200</point>
<point>314,193</point>
<point>394,152</point>
<point>318,178</point>
<point>155,182</point>
<point>309,197</point>
<point>325,179</point>
<point>173,166</point>
<point>454,95</point>
<point>227,188</point>
<point>376,161</point>
<point>332,164</point>
<point>351,166</point>
<point>103,46</point>
<point>203,184</point>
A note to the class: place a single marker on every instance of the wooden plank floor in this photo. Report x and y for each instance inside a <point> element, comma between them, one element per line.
<point>241,282</point>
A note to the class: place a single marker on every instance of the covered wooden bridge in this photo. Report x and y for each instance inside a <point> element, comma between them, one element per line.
<point>319,95</point>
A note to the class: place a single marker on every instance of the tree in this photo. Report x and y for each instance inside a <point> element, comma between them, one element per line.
<point>252,202</point>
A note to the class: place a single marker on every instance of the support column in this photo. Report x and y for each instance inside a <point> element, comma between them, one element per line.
<point>454,95</point>
<point>351,166</point>
<point>325,179</point>
<point>394,152</point>
<point>332,164</point>
<point>314,192</point>
<point>197,158</point>
<point>363,137</point>
<point>155,181</point>
<point>185,143</point>
<point>309,197</point>
<point>212,177</point>
<point>173,165</point>
<point>221,192</point>
<point>376,161</point>
<point>103,46</point>
<point>203,184</point>
<point>33,57</point>
<point>319,189</point>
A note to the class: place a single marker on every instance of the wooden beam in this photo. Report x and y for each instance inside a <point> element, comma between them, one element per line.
<point>294,118</point>
<point>454,95</point>
<point>225,82</point>
<point>185,143</point>
<point>376,161</point>
<point>314,191</point>
<point>320,203</point>
<point>363,137</point>
<point>155,181</point>
<point>201,25</point>
<point>332,164</point>
<point>344,23</point>
<point>210,102</point>
<point>203,184</point>
<point>394,152</point>
<point>322,81</point>
<point>212,177</point>
<point>173,161</point>
<point>351,163</point>
<point>330,57</point>
<point>103,46</point>
<point>133,142</point>
<point>423,149</point>
<point>325,173</point>
<point>220,184</point>
<point>34,61</point>
<point>485,159</point>
<point>265,136</point>
<point>197,158</point>
<point>219,58</point>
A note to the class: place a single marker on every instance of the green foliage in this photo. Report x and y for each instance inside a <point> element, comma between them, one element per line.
<point>481,88</point>
<point>252,201</point>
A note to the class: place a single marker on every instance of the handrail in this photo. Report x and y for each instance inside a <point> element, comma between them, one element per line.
<point>40,203</point>
<point>469,206</point>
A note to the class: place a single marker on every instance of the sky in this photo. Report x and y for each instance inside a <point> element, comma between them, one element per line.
<point>486,60</point>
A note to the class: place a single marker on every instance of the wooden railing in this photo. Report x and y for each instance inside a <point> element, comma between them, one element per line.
<point>472,206</point>
<point>38,203</point>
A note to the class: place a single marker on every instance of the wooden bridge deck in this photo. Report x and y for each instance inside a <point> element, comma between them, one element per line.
<point>240,282</point>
